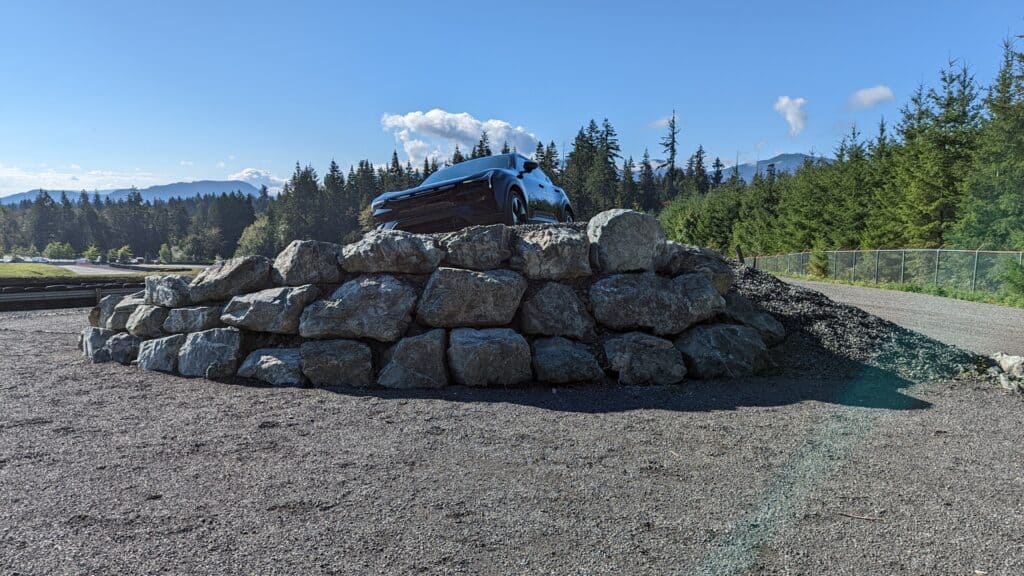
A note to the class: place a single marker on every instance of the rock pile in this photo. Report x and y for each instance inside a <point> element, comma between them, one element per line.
<point>484,306</point>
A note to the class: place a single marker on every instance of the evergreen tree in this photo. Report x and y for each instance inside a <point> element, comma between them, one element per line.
<point>648,187</point>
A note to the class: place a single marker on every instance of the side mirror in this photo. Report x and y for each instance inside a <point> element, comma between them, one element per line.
<point>530,166</point>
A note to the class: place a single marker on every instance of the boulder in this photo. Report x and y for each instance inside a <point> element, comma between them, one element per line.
<point>193,319</point>
<point>161,354</point>
<point>648,301</point>
<point>625,241</point>
<point>552,253</point>
<point>556,310</point>
<point>167,291</point>
<point>308,262</point>
<point>275,366</point>
<point>455,297</point>
<point>740,310</point>
<point>560,361</point>
<point>94,341</point>
<point>391,251</point>
<point>274,310</point>
<point>229,278</point>
<point>490,357</point>
<point>1009,364</point>
<point>337,363</point>
<point>147,321</point>
<point>477,247</point>
<point>94,317</point>
<point>416,362</point>
<point>123,347</point>
<point>106,309</point>
<point>211,353</point>
<point>122,311</point>
<point>377,307</point>
<point>644,359</point>
<point>679,258</point>
<point>723,350</point>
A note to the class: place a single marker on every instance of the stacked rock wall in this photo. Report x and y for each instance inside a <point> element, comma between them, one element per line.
<point>484,306</point>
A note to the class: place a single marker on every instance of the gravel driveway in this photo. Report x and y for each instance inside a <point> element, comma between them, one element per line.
<point>982,328</point>
<point>832,468</point>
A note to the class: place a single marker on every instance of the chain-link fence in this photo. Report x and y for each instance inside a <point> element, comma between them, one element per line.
<point>968,270</point>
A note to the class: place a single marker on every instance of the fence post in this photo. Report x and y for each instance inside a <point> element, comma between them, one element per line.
<point>853,271</point>
<point>936,267</point>
<point>876,265</point>
<point>835,264</point>
<point>974,274</point>
<point>903,263</point>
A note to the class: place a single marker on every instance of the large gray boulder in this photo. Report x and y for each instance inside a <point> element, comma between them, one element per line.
<point>556,310</point>
<point>648,301</point>
<point>308,262</point>
<point>560,361</point>
<point>723,351</point>
<point>123,347</point>
<point>490,357</point>
<point>229,278</point>
<point>416,362</point>
<point>167,291</point>
<point>455,297</point>
<point>552,253</point>
<point>477,247</point>
<point>211,353</point>
<point>679,258</point>
<point>94,342</point>
<point>275,366</point>
<point>106,307</point>
<point>740,310</point>
<point>274,310</point>
<point>625,241</point>
<point>161,354</point>
<point>377,307</point>
<point>391,251</point>
<point>147,321</point>
<point>118,319</point>
<point>337,363</point>
<point>193,319</point>
<point>644,359</point>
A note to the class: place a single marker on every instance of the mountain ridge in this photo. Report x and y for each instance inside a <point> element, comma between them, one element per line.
<point>161,192</point>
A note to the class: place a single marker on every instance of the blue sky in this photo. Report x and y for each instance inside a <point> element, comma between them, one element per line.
<point>109,94</point>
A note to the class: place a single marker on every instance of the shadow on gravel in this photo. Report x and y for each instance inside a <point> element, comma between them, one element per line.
<point>806,373</point>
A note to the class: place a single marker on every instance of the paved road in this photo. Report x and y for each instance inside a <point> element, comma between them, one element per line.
<point>981,328</point>
<point>95,270</point>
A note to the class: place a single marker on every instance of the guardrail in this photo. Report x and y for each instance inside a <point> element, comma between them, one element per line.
<point>968,270</point>
<point>35,298</point>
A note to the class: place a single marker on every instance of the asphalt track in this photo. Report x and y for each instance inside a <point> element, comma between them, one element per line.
<point>981,328</point>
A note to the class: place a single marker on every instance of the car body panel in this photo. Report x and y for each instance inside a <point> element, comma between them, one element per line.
<point>472,198</point>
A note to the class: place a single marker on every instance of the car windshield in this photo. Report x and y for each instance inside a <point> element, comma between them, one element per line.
<point>470,167</point>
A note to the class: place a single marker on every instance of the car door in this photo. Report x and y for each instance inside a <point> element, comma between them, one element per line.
<point>534,189</point>
<point>549,196</point>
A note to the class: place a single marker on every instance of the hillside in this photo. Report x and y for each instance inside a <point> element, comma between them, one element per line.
<point>159,192</point>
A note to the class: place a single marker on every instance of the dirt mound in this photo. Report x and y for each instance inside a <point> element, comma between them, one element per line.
<point>853,334</point>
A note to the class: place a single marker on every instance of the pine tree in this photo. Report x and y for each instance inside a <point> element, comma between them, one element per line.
<point>716,175</point>
<point>483,146</point>
<point>670,147</point>
<point>648,188</point>
<point>457,155</point>
<point>505,149</point>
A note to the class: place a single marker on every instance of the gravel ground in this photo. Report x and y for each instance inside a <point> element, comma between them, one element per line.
<point>835,465</point>
<point>982,328</point>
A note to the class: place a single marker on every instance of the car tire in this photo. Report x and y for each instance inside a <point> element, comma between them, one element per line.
<point>567,216</point>
<point>516,212</point>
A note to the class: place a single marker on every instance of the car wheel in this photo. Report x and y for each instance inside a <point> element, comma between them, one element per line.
<point>567,216</point>
<point>516,212</point>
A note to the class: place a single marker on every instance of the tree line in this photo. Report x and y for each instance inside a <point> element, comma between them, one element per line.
<point>951,174</point>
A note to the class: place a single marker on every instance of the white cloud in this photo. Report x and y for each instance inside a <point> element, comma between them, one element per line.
<point>258,177</point>
<point>422,134</point>
<point>75,167</point>
<point>185,162</point>
<point>660,122</point>
<point>868,97</point>
<point>221,164</point>
<point>14,179</point>
<point>792,109</point>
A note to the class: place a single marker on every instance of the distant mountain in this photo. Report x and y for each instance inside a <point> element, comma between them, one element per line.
<point>788,163</point>
<point>159,192</point>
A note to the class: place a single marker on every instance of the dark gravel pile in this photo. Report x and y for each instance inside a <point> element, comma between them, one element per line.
<point>853,334</point>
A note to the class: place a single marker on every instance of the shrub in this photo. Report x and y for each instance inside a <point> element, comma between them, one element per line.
<point>59,251</point>
<point>819,264</point>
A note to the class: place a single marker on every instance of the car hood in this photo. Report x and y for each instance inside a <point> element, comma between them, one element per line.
<point>423,188</point>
